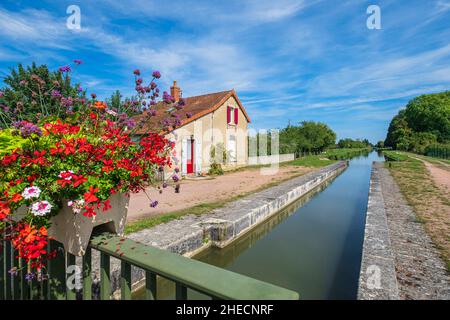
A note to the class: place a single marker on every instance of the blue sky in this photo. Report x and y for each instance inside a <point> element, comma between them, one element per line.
<point>288,60</point>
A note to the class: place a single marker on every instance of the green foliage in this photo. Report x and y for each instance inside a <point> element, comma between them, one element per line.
<point>438,151</point>
<point>425,121</point>
<point>218,156</point>
<point>28,94</point>
<point>380,144</point>
<point>394,156</point>
<point>350,143</point>
<point>308,137</point>
<point>9,142</point>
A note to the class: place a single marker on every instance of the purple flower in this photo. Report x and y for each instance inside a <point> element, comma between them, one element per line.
<point>156,74</point>
<point>66,102</point>
<point>167,98</point>
<point>13,271</point>
<point>56,94</point>
<point>164,185</point>
<point>152,85</point>
<point>175,178</point>
<point>64,69</point>
<point>77,61</point>
<point>80,89</point>
<point>153,204</point>
<point>30,276</point>
<point>188,115</point>
<point>139,81</point>
<point>177,169</point>
<point>27,129</point>
<point>137,72</point>
<point>1,94</point>
<point>181,102</point>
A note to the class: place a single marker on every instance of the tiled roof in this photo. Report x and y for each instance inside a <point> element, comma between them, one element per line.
<point>197,106</point>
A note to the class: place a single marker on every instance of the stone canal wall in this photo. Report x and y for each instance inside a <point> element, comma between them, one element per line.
<point>190,234</point>
<point>399,259</point>
<point>377,276</point>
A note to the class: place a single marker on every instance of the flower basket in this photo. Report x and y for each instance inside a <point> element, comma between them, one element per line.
<point>74,230</point>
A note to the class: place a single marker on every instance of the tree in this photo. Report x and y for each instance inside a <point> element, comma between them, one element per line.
<point>424,121</point>
<point>380,144</point>
<point>34,91</point>
<point>308,137</point>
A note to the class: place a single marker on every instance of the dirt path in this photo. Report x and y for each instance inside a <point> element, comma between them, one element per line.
<point>440,176</point>
<point>195,192</point>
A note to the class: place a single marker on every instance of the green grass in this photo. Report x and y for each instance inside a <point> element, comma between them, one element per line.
<point>310,161</point>
<point>395,156</point>
<point>200,209</point>
<point>425,198</point>
<point>150,222</point>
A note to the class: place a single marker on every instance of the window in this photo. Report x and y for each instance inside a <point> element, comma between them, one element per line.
<point>232,115</point>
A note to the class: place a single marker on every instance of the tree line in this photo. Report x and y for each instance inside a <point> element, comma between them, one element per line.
<point>308,137</point>
<point>422,126</point>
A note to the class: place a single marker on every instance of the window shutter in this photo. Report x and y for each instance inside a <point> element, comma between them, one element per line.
<point>228,114</point>
<point>236,112</point>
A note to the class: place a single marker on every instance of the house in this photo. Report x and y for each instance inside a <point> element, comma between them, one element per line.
<point>218,120</point>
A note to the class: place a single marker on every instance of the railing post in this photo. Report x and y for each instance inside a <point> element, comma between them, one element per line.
<point>125,280</point>
<point>71,293</point>
<point>57,273</point>
<point>7,266</point>
<point>181,292</point>
<point>150,285</point>
<point>15,278</point>
<point>2,270</point>
<point>24,287</point>
<point>105,281</point>
<point>87,278</point>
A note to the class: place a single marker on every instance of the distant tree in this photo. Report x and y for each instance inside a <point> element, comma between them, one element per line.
<point>308,137</point>
<point>350,143</point>
<point>380,144</point>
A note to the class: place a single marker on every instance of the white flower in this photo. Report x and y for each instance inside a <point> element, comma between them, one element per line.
<point>31,192</point>
<point>41,208</point>
<point>76,205</point>
<point>111,112</point>
<point>66,175</point>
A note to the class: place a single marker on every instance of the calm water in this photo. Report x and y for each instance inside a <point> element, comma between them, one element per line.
<point>313,247</point>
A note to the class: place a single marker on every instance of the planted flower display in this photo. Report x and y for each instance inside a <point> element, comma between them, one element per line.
<point>71,164</point>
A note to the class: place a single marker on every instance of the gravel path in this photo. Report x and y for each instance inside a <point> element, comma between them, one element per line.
<point>421,273</point>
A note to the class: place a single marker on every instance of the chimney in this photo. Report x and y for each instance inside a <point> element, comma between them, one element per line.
<point>175,92</point>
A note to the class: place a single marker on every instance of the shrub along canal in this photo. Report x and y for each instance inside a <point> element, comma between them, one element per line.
<point>314,246</point>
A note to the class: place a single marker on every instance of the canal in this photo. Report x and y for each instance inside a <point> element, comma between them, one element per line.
<point>313,246</point>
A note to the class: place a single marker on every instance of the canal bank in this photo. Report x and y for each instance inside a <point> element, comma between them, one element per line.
<point>313,247</point>
<point>399,261</point>
<point>191,234</point>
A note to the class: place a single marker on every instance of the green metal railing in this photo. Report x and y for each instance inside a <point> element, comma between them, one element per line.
<point>186,273</point>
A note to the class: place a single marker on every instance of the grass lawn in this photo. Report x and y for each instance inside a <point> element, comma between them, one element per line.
<point>430,203</point>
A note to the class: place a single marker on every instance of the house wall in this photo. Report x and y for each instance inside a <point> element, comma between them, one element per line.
<point>212,129</point>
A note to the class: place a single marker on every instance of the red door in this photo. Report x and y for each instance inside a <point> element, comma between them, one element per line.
<point>190,156</point>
